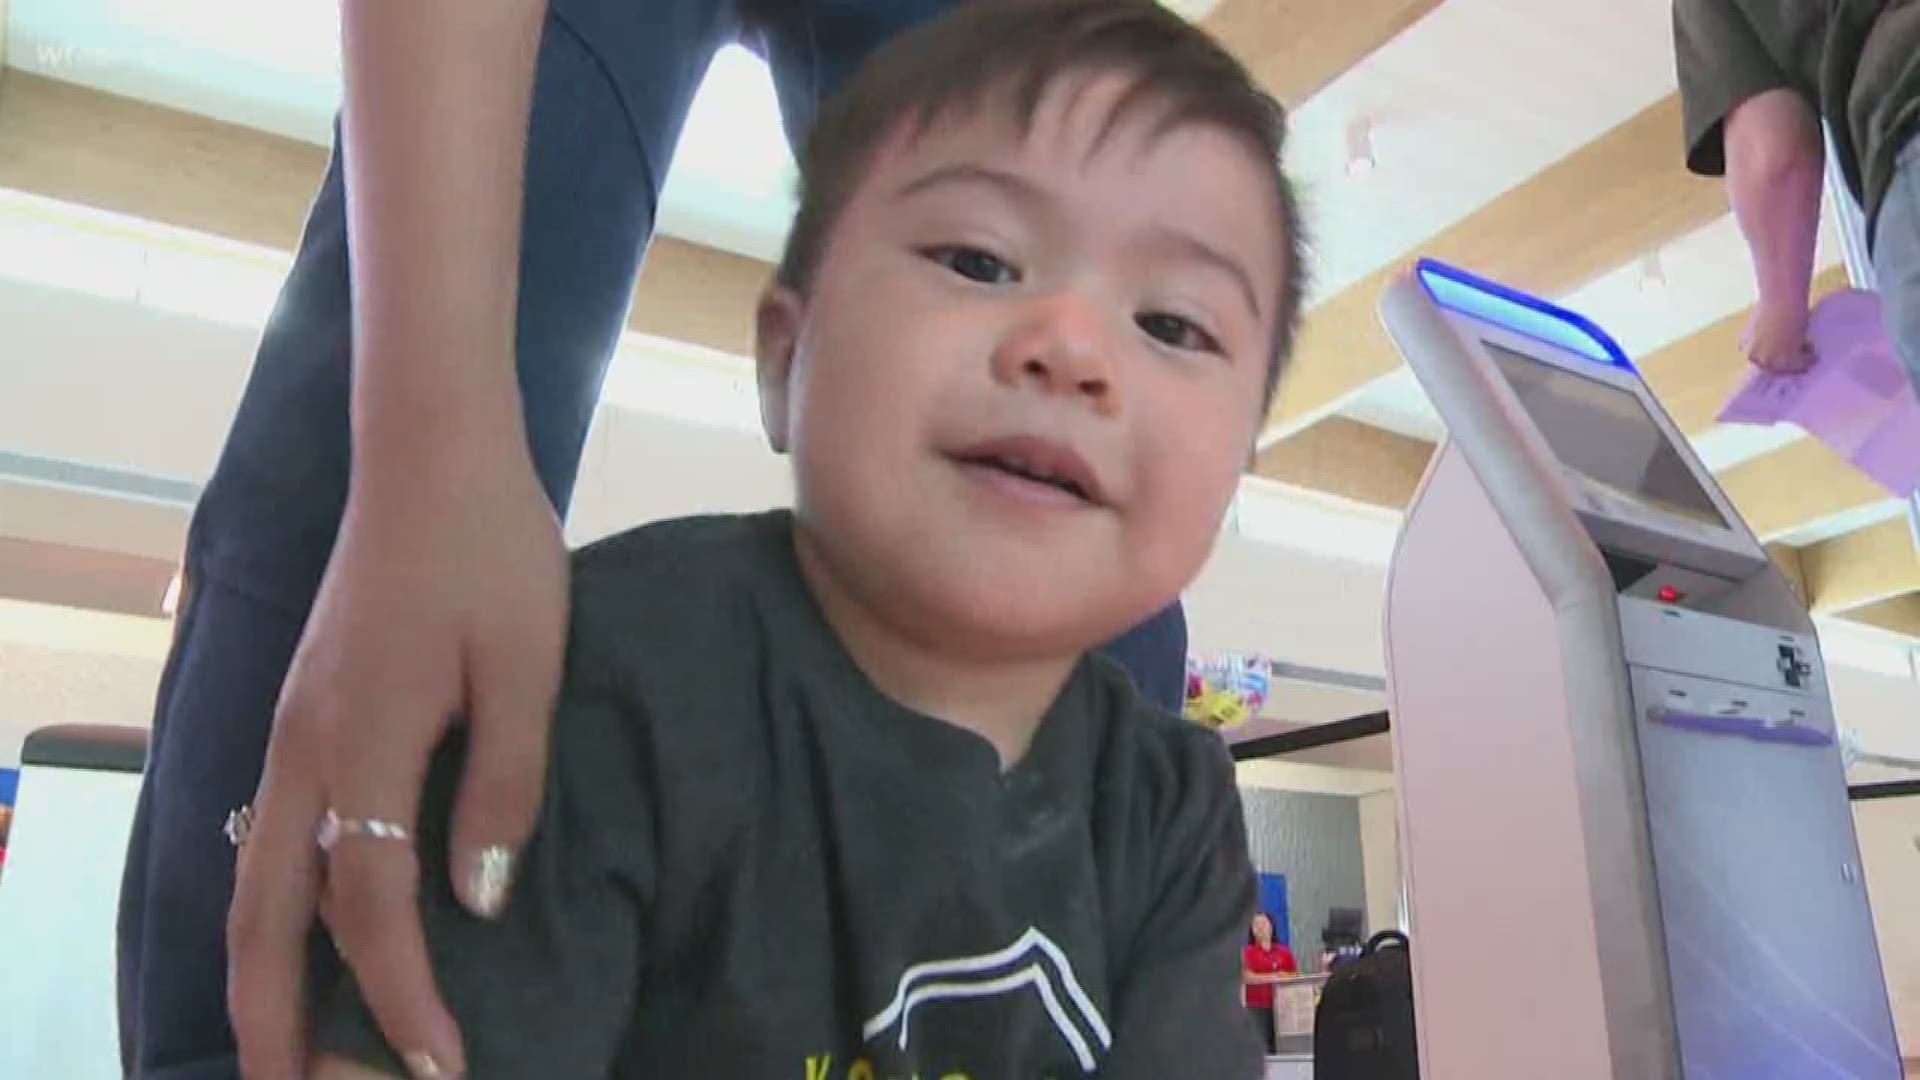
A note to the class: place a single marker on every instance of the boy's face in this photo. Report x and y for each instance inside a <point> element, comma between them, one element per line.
<point>1023,383</point>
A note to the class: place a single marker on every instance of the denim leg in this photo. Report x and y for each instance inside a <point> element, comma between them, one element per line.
<point>1896,258</point>
<point>598,145</point>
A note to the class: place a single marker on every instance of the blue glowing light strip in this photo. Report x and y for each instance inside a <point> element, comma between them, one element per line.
<point>1490,301</point>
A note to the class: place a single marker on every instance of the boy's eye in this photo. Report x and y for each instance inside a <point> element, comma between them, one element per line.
<point>1179,332</point>
<point>974,264</point>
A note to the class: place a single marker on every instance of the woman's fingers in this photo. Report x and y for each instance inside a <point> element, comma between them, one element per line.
<point>373,910</point>
<point>275,889</point>
<point>511,703</point>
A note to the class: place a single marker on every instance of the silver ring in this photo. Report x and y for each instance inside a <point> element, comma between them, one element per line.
<point>334,828</point>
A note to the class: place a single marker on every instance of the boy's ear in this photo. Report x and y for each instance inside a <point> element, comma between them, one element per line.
<point>776,335</point>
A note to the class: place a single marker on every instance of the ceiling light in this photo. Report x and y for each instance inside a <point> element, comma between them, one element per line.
<point>1360,159</point>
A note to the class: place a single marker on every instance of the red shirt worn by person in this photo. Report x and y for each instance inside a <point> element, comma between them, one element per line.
<point>1274,959</point>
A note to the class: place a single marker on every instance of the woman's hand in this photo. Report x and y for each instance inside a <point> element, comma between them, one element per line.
<point>447,590</point>
<point>446,596</point>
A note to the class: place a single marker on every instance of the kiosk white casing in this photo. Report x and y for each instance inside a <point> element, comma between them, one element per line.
<point>1628,847</point>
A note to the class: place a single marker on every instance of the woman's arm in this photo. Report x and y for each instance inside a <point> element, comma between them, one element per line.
<point>446,591</point>
<point>438,94</point>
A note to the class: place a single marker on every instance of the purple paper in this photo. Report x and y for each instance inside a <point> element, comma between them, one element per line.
<point>1745,727</point>
<point>1856,398</point>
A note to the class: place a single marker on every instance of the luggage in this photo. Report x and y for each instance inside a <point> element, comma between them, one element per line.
<point>1363,1026</point>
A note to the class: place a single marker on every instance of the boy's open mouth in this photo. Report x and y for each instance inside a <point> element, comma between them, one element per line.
<point>1042,462</point>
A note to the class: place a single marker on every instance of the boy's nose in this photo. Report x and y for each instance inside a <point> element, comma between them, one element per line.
<point>1064,344</point>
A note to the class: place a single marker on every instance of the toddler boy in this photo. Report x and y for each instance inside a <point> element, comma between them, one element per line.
<point>840,793</point>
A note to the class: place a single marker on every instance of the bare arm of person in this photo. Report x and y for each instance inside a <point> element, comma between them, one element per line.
<point>446,592</point>
<point>1776,164</point>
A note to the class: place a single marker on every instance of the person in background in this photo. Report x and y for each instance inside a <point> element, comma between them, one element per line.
<point>1262,964</point>
<point>1756,78</point>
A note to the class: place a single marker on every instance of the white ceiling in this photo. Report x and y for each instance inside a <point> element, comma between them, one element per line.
<point>1469,102</point>
<point>276,66</point>
<point>1694,282</point>
<point>1451,131</point>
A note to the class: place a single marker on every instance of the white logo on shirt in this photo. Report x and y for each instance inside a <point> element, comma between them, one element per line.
<point>1032,961</point>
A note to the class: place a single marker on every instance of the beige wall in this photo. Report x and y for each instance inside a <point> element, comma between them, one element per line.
<point>1885,712</point>
<point>1889,832</point>
<point>1308,610</point>
<point>1380,854</point>
<point>60,666</point>
<point>41,686</point>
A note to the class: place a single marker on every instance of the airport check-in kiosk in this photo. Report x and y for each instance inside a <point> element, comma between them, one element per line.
<point>1625,826</point>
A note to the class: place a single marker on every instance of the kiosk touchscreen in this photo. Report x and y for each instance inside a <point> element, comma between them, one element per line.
<point>1628,846</point>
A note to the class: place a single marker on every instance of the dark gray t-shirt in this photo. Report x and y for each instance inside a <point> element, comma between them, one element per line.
<point>1855,62</point>
<point>753,864</point>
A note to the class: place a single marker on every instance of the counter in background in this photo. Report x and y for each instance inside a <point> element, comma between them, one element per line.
<point>1290,1067</point>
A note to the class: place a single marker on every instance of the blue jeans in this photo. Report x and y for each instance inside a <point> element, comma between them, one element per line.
<point>614,81</point>
<point>1896,258</point>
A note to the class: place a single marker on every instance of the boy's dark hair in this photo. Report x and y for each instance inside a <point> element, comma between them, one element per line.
<point>982,47</point>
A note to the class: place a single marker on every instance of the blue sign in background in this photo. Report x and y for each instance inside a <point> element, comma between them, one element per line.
<point>1273,901</point>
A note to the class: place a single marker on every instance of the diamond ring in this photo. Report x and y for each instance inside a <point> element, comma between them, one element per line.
<point>239,823</point>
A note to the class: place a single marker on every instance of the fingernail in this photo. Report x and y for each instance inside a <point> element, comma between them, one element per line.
<point>487,881</point>
<point>422,1066</point>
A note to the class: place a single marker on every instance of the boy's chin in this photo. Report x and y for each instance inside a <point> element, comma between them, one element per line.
<point>1014,625</point>
<point>976,596</point>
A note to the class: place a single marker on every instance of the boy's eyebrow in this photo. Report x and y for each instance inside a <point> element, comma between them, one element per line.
<point>1013,184</point>
<point>1199,250</point>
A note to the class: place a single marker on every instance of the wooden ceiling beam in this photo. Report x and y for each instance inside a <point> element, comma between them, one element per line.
<point>1800,484</point>
<point>85,578</point>
<point>83,146</point>
<point>1296,47</point>
<point>1355,461</point>
<point>94,149</point>
<point>1787,559</point>
<point>1633,195</point>
<point>1900,614</point>
<point>1694,376</point>
<point>1876,563</point>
